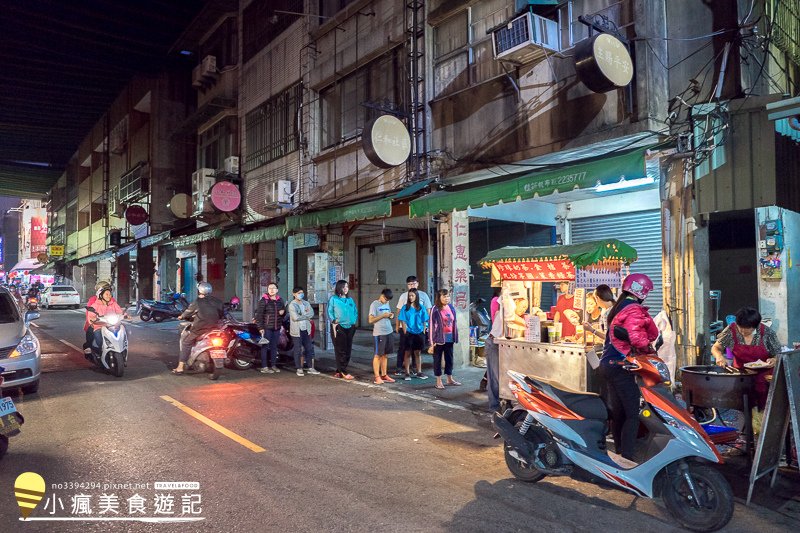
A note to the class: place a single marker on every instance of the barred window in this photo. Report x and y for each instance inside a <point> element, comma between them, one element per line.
<point>263,20</point>
<point>272,128</point>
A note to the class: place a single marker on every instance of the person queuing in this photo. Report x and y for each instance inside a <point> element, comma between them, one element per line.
<point>492,353</point>
<point>443,334</point>
<point>411,283</point>
<point>380,316</point>
<point>413,318</point>
<point>269,317</point>
<point>749,340</point>
<point>300,315</point>
<point>343,315</point>
<point>597,320</point>
<point>629,313</point>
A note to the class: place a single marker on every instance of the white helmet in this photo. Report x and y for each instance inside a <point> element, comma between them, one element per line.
<point>204,288</point>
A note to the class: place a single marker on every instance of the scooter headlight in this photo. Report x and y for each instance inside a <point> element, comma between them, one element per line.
<point>113,319</point>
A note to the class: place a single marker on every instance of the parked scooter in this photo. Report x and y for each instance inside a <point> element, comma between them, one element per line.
<point>112,356</point>
<point>557,430</point>
<point>10,420</point>
<point>243,341</point>
<point>208,353</point>
<point>160,310</point>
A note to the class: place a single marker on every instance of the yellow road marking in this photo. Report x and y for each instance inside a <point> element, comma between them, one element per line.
<point>213,425</point>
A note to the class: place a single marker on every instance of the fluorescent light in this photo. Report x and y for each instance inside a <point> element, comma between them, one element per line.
<point>624,184</point>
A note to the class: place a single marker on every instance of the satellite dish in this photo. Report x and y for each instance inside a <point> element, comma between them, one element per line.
<point>180,205</point>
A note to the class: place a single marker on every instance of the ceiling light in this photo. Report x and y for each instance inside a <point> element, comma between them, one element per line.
<point>625,184</point>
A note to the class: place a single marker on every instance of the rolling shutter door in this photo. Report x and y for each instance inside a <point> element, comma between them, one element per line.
<point>642,230</point>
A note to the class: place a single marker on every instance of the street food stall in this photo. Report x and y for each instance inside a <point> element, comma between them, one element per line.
<point>553,345</point>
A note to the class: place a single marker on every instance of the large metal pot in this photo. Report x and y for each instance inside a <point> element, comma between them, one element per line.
<point>714,386</point>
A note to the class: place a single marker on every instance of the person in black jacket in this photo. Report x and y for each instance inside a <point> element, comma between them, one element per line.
<point>205,313</point>
<point>269,317</point>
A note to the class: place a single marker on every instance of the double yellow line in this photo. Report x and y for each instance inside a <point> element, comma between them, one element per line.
<point>213,425</point>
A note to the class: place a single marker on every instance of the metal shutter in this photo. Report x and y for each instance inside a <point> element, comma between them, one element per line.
<point>642,230</point>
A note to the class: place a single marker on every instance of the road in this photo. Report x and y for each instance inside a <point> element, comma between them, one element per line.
<point>300,454</point>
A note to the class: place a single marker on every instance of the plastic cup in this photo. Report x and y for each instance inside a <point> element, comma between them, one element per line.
<point>551,334</point>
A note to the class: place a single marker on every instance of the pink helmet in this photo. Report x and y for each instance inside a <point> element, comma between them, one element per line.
<point>638,284</point>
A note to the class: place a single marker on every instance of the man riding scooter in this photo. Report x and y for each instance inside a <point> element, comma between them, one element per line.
<point>205,313</point>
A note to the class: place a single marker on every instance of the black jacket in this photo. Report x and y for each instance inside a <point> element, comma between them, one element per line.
<point>207,313</point>
<point>267,313</point>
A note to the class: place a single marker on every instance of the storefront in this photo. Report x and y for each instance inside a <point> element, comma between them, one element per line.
<point>193,255</point>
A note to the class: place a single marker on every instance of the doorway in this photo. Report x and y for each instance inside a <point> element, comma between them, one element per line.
<point>733,260</point>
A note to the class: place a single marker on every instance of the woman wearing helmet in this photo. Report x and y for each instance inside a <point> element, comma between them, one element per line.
<point>623,392</point>
<point>100,285</point>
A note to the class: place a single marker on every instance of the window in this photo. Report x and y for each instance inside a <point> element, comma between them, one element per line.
<point>329,8</point>
<point>272,128</point>
<point>215,144</point>
<point>8,309</point>
<point>261,24</point>
<point>222,44</point>
<point>343,108</point>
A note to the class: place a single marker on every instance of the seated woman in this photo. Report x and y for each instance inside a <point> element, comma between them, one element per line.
<point>749,340</point>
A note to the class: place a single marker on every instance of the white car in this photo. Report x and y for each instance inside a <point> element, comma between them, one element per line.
<point>20,354</point>
<point>63,295</point>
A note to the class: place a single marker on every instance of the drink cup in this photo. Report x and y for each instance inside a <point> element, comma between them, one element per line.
<point>551,334</point>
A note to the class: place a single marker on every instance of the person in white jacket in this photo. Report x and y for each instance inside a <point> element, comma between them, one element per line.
<point>300,315</point>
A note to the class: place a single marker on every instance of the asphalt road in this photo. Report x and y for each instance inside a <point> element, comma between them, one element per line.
<point>301,454</point>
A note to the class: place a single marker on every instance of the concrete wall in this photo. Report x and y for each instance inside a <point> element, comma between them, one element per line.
<point>397,261</point>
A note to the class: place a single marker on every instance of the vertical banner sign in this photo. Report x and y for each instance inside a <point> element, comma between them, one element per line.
<point>38,236</point>
<point>459,232</point>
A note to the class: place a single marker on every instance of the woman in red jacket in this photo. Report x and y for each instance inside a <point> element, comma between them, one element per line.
<point>623,392</point>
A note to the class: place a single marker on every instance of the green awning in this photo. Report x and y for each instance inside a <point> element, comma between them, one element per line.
<point>583,176</point>
<point>271,233</point>
<point>150,240</point>
<point>581,255</point>
<point>188,240</point>
<point>106,254</point>
<point>363,211</point>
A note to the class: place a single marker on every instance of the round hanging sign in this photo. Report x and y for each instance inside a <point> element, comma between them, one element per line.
<point>136,215</point>
<point>386,141</point>
<point>225,196</point>
<point>179,205</point>
<point>603,63</point>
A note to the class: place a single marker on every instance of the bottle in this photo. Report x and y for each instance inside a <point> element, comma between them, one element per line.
<point>728,357</point>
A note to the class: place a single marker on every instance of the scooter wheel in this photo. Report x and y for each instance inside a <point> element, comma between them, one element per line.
<point>145,315</point>
<point>240,364</point>
<point>711,486</point>
<point>521,470</point>
<point>158,318</point>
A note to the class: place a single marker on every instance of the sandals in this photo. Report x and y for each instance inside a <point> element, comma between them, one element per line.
<point>439,386</point>
<point>454,383</point>
<point>178,372</point>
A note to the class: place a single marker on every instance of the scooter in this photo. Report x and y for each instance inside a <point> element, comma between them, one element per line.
<point>244,342</point>
<point>557,430</point>
<point>112,356</point>
<point>161,310</point>
<point>208,353</point>
<point>32,303</point>
<point>10,420</point>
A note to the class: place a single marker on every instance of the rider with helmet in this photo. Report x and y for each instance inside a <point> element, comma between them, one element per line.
<point>102,303</point>
<point>102,284</point>
<point>629,313</point>
<point>205,313</point>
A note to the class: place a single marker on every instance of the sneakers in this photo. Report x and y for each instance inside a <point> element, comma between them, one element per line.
<point>420,375</point>
<point>312,371</point>
<point>300,372</point>
<point>399,373</point>
<point>339,375</point>
<point>267,370</point>
<point>275,369</point>
<point>407,378</point>
<point>387,379</point>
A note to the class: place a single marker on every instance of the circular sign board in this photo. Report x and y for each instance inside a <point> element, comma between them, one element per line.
<point>387,142</point>
<point>136,215</point>
<point>603,63</point>
<point>225,196</point>
<point>180,204</point>
<point>42,258</point>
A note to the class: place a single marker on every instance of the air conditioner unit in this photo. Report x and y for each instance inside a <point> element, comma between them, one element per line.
<point>526,39</point>
<point>232,165</point>
<point>115,207</point>
<point>202,181</point>
<point>279,193</point>
<point>208,68</point>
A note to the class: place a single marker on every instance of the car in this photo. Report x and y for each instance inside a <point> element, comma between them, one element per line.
<point>20,353</point>
<point>60,295</point>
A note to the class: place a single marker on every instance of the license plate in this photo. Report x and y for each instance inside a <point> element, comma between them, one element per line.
<point>217,354</point>
<point>7,406</point>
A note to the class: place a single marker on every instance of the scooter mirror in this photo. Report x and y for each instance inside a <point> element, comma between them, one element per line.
<point>621,333</point>
<point>90,308</point>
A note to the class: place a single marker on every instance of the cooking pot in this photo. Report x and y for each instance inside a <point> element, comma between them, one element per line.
<point>714,386</point>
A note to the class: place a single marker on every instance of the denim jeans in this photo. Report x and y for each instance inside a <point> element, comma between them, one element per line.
<point>302,344</point>
<point>274,337</point>
<point>492,353</point>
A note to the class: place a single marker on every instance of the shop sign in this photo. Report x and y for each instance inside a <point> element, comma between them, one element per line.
<point>38,236</point>
<point>552,271</point>
<point>603,63</point>
<point>461,266</point>
<point>225,196</point>
<point>56,250</point>
<point>180,204</point>
<point>387,142</point>
<point>136,215</point>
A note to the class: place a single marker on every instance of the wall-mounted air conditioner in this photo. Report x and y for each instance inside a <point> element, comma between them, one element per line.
<point>279,193</point>
<point>208,68</point>
<point>202,181</point>
<point>231,165</point>
<point>526,39</point>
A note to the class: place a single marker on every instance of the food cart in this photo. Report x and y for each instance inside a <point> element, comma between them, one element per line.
<point>531,343</point>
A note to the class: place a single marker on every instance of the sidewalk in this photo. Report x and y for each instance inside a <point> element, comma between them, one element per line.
<point>467,395</point>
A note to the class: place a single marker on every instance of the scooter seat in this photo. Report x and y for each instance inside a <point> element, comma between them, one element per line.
<point>586,404</point>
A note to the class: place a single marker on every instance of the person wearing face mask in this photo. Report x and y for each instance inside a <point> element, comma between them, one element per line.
<point>300,315</point>
<point>104,304</point>
<point>269,317</point>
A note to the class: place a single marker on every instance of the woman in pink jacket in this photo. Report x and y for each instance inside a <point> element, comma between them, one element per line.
<point>623,392</point>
